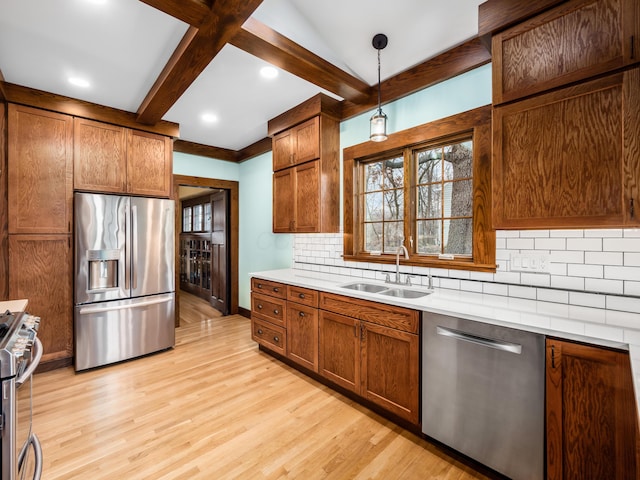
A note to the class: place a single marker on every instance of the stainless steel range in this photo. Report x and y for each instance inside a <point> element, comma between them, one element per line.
<point>20,353</point>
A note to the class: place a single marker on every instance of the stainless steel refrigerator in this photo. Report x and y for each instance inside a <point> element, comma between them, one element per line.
<point>124,278</point>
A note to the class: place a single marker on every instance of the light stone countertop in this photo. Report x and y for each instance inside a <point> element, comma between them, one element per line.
<point>561,321</point>
<point>13,306</point>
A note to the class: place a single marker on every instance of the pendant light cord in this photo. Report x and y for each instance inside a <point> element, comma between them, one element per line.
<point>379,98</point>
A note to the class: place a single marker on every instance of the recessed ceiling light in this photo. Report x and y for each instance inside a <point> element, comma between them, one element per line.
<point>209,117</point>
<point>79,82</point>
<point>269,72</point>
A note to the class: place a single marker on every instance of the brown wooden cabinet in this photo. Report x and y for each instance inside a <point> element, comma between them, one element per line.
<point>570,157</point>
<point>40,170</point>
<point>297,145</point>
<point>591,417</point>
<point>113,159</point>
<point>302,326</point>
<point>306,178</point>
<point>372,349</point>
<point>40,271</point>
<point>574,41</point>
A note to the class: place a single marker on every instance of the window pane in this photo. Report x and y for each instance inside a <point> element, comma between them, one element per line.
<point>207,217</point>
<point>186,219</point>
<point>197,218</point>
<point>394,173</point>
<point>430,201</point>
<point>430,166</point>
<point>458,236</point>
<point>429,236</point>
<point>458,160</point>
<point>393,236</point>
<point>393,205</point>
<point>458,199</point>
<point>373,237</point>
<point>373,176</point>
<point>373,207</point>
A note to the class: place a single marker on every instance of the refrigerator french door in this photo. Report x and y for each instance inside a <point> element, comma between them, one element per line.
<point>124,278</point>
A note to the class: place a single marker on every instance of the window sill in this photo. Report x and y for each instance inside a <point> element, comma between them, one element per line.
<point>423,262</point>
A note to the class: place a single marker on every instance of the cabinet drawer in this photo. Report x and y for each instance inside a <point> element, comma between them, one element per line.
<point>271,309</point>
<point>269,335</point>
<point>387,315</point>
<point>273,289</point>
<point>301,295</point>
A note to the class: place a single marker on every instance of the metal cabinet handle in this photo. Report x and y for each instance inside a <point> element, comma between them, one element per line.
<point>276,339</point>
<point>276,312</point>
<point>301,295</point>
<point>301,314</point>
<point>485,342</point>
<point>259,285</point>
<point>259,331</point>
<point>276,289</point>
<point>259,307</point>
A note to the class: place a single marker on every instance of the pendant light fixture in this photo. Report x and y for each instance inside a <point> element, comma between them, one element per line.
<point>378,130</point>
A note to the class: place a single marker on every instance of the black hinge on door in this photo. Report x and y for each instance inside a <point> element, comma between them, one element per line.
<point>631,209</point>
<point>633,47</point>
<point>553,356</point>
<point>362,332</point>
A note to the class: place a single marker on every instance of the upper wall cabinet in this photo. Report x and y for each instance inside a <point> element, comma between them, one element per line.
<point>40,170</point>
<point>570,157</point>
<point>113,159</point>
<point>575,41</point>
<point>306,182</point>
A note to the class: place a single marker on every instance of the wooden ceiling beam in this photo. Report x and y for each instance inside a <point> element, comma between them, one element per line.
<point>263,42</point>
<point>463,58</point>
<point>191,12</point>
<point>194,53</point>
<point>201,150</point>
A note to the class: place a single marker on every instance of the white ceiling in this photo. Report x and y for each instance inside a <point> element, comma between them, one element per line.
<point>121,46</point>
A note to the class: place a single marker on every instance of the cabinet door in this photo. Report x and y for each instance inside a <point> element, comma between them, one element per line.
<point>302,335</point>
<point>283,150</point>
<point>307,141</point>
<point>99,157</point>
<point>560,159</point>
<point>40,171</point>
<point>284,196</point>
<point>575,41</point>
<point>307,197</point>
<point>390,362</point>
<point>591,415</point>
<point>40,270</point>
<point>149,164</point>
<point>339,350</point>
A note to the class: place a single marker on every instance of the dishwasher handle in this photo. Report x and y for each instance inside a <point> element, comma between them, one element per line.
<point>485,342</point>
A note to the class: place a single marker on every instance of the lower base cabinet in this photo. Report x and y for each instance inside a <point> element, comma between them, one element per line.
<point>591,423</point>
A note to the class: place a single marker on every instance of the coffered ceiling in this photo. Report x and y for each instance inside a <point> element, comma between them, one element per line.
<point>197,63</point>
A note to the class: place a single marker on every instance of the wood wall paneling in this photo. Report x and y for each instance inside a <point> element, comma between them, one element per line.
<point>4,207</point>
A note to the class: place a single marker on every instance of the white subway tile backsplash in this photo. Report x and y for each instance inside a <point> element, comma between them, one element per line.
<point>603,233</point>
<point>507,234</point>
<point>631,259</point>
<point>501,243</point>
<point>587,299</point>
<point>622,319</point>
<point>567,233</point>
<point>468,286</point>
<point>534,233</point>
<point>522,292</point>
<point>628,244</point>
<point>565,256</point>
<point>584,244</point>
<point>551,295</point>
<point>550,243</point>
<point>450,283</point>
<point>603,258</point>
<point>587,314</point>
<point>535,279</point>
<point>558,269</point>
<point>624,304</point>
<point>507,277</point>
<point>604,286</point>
<point>495,289</point>
<point>520,243</point>
<point>632,288</point>
<point>622,273</point>
<point>567,283</point>
<point>592,271</point>
<point>481,276</point>
<point>631,233</point>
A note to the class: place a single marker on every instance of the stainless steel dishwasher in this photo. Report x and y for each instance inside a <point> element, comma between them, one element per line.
<point>483,393</point>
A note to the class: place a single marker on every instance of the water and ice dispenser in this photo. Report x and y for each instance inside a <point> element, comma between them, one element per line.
<point>103,269</point>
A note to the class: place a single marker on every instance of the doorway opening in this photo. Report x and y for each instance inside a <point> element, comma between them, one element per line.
<point>207,241</point>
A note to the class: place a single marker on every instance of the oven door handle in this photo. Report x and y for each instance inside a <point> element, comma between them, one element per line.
<point>37,456</point>
<point>33,364</point>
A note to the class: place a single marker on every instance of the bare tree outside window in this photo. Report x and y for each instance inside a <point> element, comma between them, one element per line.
<point>444,190</point>
<point>383,203</point>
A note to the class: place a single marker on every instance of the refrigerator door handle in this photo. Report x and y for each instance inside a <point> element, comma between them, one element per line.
<point>127,259</point>
<point>134,246</point>
<point>89,309</point>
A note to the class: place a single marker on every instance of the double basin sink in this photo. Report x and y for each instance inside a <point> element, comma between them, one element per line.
<point>386,290</point>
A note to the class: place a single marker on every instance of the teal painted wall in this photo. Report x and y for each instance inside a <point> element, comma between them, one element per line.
<point>260,249</point>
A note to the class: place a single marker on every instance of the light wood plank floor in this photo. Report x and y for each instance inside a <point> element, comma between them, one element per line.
<point>214,407</point>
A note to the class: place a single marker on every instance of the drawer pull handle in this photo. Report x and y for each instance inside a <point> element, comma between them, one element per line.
<point>276,312</point>
<point>276,339</point>
<point>259,307</point>
<point>259,331</point>
<point>301,314</point>
<point>301,295</point>
<point>276,289</point>
<point>259,285</point>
